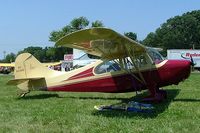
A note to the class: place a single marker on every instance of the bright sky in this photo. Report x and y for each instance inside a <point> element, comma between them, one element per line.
<point>26,23</point>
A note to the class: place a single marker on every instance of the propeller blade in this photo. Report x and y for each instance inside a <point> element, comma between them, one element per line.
<point>192,61</point>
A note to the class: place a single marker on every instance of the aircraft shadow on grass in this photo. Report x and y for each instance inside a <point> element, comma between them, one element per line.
<point>186,100</point>
<point>171,97</point>
<point>39,96</point>
<point>158,107</point>
<point>46,96</point>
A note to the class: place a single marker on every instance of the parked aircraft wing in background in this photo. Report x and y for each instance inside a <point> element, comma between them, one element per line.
<point>7,64</point>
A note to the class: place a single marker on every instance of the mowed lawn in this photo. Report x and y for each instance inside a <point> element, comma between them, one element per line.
<point>74,112</point>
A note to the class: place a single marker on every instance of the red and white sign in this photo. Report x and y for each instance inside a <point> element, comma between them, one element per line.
<point>182,54</point>
<point>193,54</point>
<point>68,57</point>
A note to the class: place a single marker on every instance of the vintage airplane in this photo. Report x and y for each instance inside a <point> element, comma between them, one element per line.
<point>125,66</point>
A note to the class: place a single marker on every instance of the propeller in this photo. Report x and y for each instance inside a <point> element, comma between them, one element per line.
<point>192,61</point>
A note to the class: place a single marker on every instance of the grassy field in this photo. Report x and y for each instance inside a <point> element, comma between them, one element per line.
<point>74,112</point>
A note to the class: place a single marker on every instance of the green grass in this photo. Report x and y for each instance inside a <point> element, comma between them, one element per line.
<point>74,112</point>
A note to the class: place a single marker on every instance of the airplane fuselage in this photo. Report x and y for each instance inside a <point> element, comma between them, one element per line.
<point>167,72</point>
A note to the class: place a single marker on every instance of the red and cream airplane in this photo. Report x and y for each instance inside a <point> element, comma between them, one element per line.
<point>125,66</point>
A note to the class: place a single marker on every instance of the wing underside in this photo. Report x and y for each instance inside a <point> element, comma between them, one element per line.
<point>101,42</point>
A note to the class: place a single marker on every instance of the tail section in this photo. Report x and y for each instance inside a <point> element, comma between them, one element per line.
<point>27,66</point>
<point>30,73</point>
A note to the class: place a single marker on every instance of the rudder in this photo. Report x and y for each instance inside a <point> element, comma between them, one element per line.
<point>30,74</point>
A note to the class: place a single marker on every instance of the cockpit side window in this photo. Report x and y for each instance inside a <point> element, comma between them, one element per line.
<point>108,66</point>
<point>140,61</point>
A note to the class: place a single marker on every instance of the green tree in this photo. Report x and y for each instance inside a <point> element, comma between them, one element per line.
<point>131,35</point>
<point>97,23</point>
<point>10,57</point>
<point>47,54</point>
<point>74,25</point>
<point>56,35</point>
<point>79,23</point>
<point>179,32</point>
<point>38,52</point>
<point>50,53</point>
<point>32,50</point>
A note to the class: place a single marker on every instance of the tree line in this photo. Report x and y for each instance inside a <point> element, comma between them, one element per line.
<point>179,32</point>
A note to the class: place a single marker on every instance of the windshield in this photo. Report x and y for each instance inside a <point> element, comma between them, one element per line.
<point>155,55</point>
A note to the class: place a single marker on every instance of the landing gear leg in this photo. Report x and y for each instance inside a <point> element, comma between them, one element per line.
<point>163,93</point>
<point>156,95</point>
<point>23,94</point>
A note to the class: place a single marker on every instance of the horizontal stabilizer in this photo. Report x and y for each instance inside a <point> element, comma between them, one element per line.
<point>20,81</point>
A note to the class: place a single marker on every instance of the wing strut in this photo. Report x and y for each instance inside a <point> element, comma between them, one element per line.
<point>131,54</point>
<point>122,62</point>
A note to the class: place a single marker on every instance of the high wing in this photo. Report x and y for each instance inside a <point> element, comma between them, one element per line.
<point>7,64</point>
<point>102,42</point>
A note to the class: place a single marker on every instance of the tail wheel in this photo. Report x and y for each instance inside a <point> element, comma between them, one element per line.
<point>23,94</point>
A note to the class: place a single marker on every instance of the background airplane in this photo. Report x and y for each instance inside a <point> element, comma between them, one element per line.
<point>6,68</point>
<point>125,66</point>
